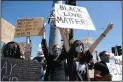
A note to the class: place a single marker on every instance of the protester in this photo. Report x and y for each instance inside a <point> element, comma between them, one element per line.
<point>11,50</point>
<point>80,62</point>
<point>78,59</point>
<point>101,70</point>
<point>56,64</point>
<point>40,58</point>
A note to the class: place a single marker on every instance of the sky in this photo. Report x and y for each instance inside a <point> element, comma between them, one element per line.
<point>101,12</point>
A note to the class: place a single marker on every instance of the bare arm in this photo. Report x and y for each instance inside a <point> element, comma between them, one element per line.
<point>44,46</point>
<point>101,37</point>
<point>98,77</point>
<point>65,39</point>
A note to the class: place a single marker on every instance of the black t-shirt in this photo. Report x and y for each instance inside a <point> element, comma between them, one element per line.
<point>56,70</point>
<point>102,67</point>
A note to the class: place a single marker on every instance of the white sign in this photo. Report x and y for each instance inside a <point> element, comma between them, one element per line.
<point>118,60</point>
<point>91,73</point>
<point>115,71</point>
<point>7,31</point>
<point>29,27</point>
<point>67,16</point>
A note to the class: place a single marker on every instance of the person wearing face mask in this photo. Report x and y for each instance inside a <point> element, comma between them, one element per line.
<point>101,71</point>
<point>56,64</point>
<point>77,59</point>
<point>11,50</point>
<point>79,67</point>
<point>40,58</point>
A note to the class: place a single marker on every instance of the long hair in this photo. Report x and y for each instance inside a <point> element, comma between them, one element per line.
<point>11,50</point>
<point>87,56</point>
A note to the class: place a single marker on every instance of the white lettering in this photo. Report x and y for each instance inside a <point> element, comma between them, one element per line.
<point>14,79</point>
<point>12,67</point>
<point>4,78</point>
<point>4,67</point>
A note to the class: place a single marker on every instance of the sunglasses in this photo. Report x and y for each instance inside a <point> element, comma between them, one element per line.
<point>107,55</point>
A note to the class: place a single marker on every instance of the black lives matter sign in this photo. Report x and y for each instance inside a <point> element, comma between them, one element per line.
<point>19,70</point>
<point>67,16</point>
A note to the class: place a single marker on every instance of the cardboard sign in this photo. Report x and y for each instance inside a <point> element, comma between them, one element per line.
<point>7,31</point>
<point>29,27</point>
<point>115,71</point>
<point>67,16</point>
<point>19,70</point>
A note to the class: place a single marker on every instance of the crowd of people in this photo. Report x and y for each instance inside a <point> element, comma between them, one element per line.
<point>68,63</point>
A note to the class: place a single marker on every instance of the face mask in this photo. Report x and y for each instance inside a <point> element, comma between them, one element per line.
<point>79,49</point>
<point>106,60</point>
<point>56,52</point>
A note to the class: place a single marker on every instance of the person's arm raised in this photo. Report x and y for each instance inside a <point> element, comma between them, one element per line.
<point>44,45</point>
<point>65,39</point>
<point>101,37</point>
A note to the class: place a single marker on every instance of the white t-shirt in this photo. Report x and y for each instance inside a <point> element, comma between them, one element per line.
<point>81,68</point>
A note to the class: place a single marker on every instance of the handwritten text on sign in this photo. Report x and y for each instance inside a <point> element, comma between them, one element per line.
<point>7,31</point>
<point>19,70</point>
<point>115,71</point>
<point>29,27</point>
<point>67,16</point>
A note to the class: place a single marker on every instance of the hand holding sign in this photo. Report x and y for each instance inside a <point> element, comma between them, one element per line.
<point>65,39</point>
<point>63,33</point>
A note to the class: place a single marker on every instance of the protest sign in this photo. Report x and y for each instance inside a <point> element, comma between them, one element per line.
<point>19,70</point>
<point>29,27</point>
<point>7,31</point>
<point>118,60</point>
<point>115,71</point>
<point>115,59</point>
<point>91,73</point>
<point>67,16</point>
